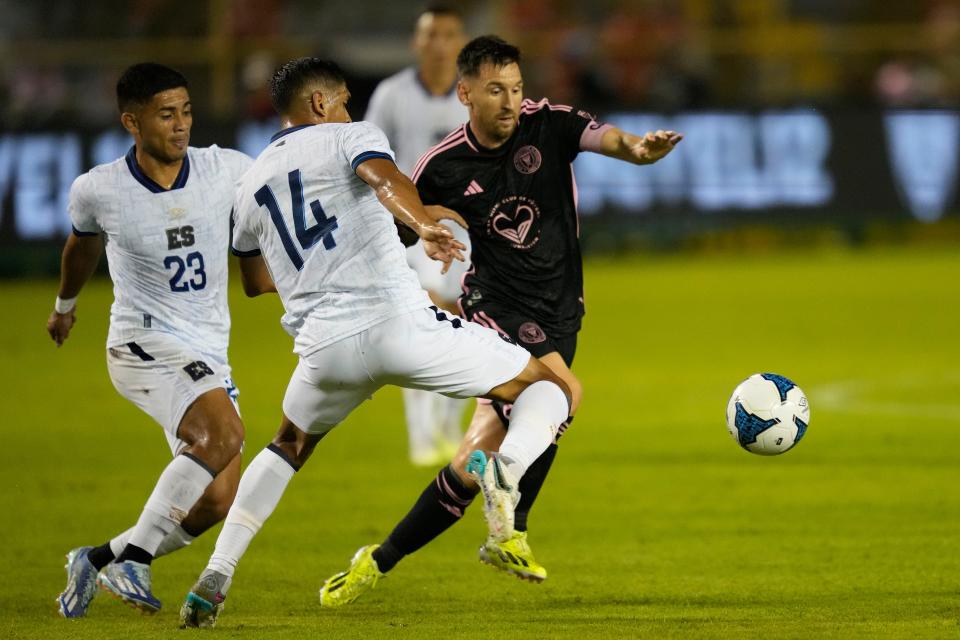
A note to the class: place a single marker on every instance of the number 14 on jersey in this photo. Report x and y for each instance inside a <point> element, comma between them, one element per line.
<point>306,237</point>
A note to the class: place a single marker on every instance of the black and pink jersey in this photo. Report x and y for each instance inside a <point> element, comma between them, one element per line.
<point>520,201</point>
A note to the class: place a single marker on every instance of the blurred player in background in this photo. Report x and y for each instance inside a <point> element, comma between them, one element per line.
<point>319,205</point>
<point>417,108</point>
<point>508,173</point>
<point>163,213</point>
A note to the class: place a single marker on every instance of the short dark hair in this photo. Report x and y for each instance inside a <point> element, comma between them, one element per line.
<point>294,75</point>
<point>486,49</point>
<point>440,9</point>
<point>140,82</point>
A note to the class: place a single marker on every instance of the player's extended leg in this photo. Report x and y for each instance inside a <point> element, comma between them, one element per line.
<point>260,490</point>
<point>421,410</point>
<point>515,555</point>
<point>540,398</point>
<point>214,435</point>
<point>84,563</point>
<point>451,425</point>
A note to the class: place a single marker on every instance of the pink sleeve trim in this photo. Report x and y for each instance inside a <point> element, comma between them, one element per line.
<point>592,135</point>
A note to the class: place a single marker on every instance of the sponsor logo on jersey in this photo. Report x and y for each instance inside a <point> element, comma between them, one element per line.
<point>517,220</point>
<point>527,159</point>
<point>531,333</point>
<point>176,213</point>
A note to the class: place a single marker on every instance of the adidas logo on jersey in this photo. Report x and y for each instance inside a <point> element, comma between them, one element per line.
<point>473,189</point>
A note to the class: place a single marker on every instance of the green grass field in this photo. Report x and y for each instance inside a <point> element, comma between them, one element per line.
<point>654,524</point>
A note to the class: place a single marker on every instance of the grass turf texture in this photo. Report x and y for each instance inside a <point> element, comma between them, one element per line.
<point>653,523</point>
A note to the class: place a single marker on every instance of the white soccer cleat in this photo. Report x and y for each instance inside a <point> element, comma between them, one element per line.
<point>204,603</point>
<point>500,494</point>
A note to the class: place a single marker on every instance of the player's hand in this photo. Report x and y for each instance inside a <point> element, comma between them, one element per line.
<point>655,145</point>
<point>59,325</point>
<point>438,213</point>
<point>439,244</point>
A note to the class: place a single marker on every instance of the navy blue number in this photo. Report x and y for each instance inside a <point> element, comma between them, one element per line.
<point>323,229</point>
<point>175,284</point>
<point>194,261</point>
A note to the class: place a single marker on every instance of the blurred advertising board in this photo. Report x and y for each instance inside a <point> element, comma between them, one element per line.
<point>732,167</point>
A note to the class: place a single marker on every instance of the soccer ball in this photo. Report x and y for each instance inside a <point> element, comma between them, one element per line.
<point>767,414</point>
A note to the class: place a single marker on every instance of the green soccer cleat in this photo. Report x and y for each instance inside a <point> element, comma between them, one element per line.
<point>500,495</point>
<point>513,556</point>
<point>204,603</point>
<point>363,575</point>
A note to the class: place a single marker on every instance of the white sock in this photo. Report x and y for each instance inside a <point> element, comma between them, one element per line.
<point>452,413</point>
<point>180,486</point>
<point>120,541</point>
<point>261,488</point>
<point>176,539</point>
<point>420,409</point>
<point>537,414</point>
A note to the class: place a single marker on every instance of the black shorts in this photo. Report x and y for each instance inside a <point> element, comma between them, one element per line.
<point>523,330</point>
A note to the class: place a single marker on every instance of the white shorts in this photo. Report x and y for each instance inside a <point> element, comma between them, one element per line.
<point>163,376</point>
<point>422,349</point>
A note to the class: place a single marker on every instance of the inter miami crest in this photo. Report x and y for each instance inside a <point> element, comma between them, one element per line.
<point>527,159</point>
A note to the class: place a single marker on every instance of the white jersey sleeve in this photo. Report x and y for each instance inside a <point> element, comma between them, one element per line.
<point>82,208</point>
<point>361,142</point>
<point>246,232</point>
<point>237,162</point>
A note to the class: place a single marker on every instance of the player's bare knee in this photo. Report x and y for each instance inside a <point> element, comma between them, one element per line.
<point>217,443</point>
<point>296,445</point>
<point>226,439</point>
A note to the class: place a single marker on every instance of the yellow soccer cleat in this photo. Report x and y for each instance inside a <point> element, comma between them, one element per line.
<point>513,556</point>
<point>343,588</point>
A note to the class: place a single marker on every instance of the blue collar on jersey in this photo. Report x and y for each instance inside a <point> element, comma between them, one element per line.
<point>288,130</point>
<point>148,182</point>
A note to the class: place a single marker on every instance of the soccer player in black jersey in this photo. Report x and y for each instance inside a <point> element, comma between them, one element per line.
<point>508,173</point>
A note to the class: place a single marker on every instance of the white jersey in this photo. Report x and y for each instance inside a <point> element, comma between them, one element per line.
<point>329,244</point>
<point>415,120</point>
<point>166,248</point>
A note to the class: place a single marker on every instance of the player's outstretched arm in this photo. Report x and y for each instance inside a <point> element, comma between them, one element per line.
<point>399,196</point>
<point>645,149</point>
<point>255,276</point>
<point>80,257</point>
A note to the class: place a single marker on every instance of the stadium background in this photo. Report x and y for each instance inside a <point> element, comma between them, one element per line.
<point>808,224</point>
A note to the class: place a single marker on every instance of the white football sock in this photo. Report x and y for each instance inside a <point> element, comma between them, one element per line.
<point>537,414</point>
<point>180,486</point>
<point>176,539</point>
<point>452,417</point>
<point>420,409</point>
<point>261,488</point>
<point>119,541</point>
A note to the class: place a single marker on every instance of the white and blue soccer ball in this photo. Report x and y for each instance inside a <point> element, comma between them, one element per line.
<point>767,414</point>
